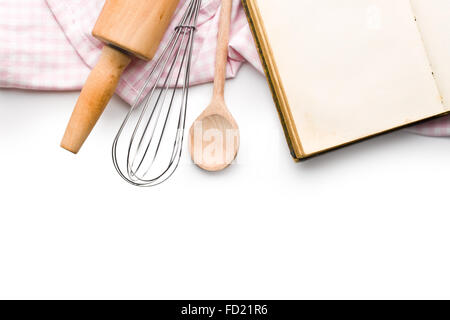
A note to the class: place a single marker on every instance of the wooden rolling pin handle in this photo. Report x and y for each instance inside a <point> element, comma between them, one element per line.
<point>96,93</point>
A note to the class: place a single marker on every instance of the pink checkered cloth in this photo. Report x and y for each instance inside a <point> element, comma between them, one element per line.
<point>47,45</point>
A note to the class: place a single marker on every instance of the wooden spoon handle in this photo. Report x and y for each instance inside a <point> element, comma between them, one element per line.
<point>96,93</point>
<point>222,48</point>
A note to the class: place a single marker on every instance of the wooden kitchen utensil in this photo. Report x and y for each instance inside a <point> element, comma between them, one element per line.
<point>128,28</point>
<point>214,136</point>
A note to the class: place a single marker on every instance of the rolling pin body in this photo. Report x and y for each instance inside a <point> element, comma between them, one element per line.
<point>129,28</point>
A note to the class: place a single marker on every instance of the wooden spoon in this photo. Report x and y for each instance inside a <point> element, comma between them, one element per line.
<point>214,136</point>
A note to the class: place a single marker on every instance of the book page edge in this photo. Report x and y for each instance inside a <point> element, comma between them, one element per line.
<point>273,78</point>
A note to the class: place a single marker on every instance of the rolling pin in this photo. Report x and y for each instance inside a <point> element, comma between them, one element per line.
<point>128,28</point>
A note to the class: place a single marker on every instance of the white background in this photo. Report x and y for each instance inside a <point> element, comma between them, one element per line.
<point>368,221</point>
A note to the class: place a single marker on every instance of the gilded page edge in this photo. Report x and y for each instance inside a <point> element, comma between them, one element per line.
<point>273,78</point>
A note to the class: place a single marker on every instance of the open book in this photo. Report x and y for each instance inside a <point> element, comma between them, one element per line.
<point>342,71</point>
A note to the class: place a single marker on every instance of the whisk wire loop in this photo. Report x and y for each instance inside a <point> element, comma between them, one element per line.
<point>142,150</point>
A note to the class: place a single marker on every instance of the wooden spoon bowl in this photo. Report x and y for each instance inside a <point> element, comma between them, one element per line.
<point>214,139</point>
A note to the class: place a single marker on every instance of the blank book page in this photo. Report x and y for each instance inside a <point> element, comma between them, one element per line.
<point>350,68</point>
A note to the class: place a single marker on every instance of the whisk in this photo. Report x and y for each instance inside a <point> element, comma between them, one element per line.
<point>151,136</point>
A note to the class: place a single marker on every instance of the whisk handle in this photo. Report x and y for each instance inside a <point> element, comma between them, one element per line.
<point>96,93</point>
